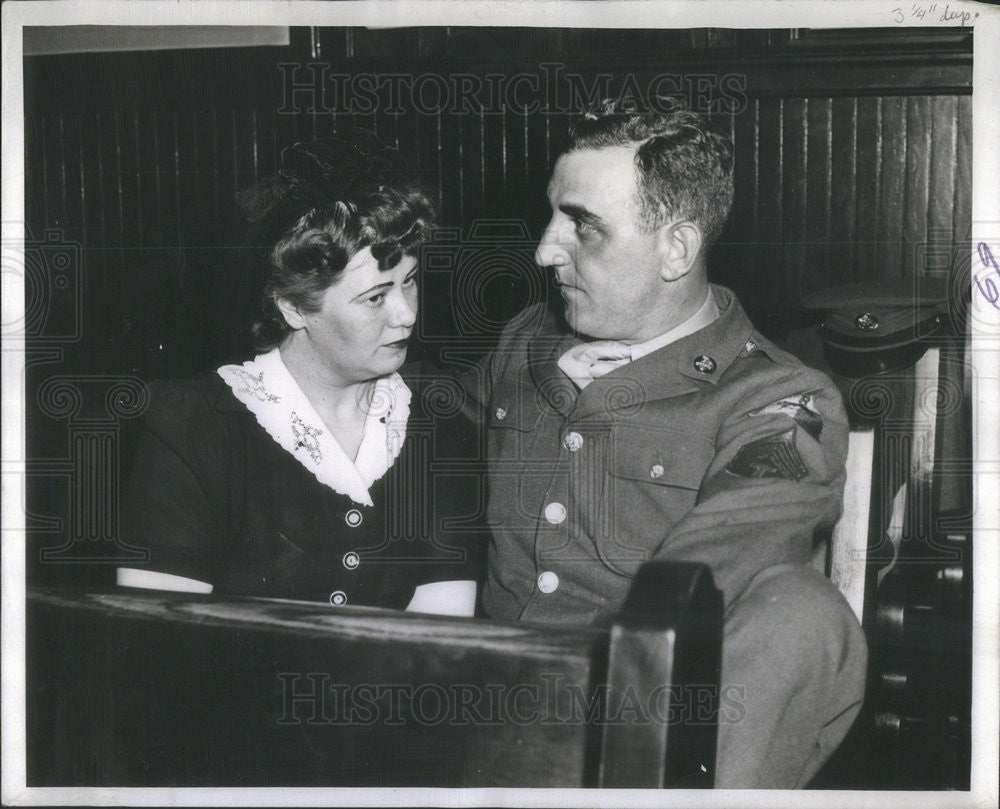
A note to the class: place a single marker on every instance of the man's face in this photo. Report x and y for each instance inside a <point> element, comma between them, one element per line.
<point>606,265</point>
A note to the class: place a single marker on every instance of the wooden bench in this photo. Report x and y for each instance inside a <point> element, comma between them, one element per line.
<point>139,688</point>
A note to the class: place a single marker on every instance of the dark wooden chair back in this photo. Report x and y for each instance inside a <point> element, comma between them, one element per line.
<point>137,688</point>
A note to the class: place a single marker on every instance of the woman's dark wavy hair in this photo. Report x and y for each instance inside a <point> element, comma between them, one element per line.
<point>332,198</point>
<point>683,167</point>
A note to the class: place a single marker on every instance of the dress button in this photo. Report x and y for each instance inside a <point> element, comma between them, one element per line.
<point>353,518</point>
<point>351,560</point>
<point>656,470</point>
<point>573,441</point>
<point>548,582</point>
<point>338,598</point>
<point>555,513</point>
<point>501,414</point>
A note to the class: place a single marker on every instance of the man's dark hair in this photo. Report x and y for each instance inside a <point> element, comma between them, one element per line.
<point>683,168</point>
<point>332,198</point>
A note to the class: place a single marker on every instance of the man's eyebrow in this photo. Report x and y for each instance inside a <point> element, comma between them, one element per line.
<point>370,291</point>
<point>581,214</point>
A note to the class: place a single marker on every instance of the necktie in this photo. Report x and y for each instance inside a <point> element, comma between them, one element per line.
<point>589,361</point>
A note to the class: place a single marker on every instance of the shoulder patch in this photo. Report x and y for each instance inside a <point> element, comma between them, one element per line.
<point>773,456</point>
<point>799,408</point>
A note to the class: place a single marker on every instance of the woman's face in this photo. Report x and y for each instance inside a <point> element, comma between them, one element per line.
<point>364,322</point>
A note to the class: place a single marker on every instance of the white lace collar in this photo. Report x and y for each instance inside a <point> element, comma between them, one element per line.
<point>271,393</point>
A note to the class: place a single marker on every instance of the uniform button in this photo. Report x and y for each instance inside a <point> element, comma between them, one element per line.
<point>353,518</point>
<point>656,470</point>
<point>573,441</point>
<point>338,598</point>
<point>351,560</point>
<point>501,414</point>
<point>548,582</point>
<point>555,513</point>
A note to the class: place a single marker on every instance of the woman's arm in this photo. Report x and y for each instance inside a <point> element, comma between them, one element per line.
<point>173,502</point>
<point>154,580</point>
<point>445,598</point>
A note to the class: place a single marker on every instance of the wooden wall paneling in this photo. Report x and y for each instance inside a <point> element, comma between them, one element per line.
<point>419,147</point>
<point>735,256</point>
<point>962,213</point>
<point>462,158</point>
<point>795,273</point>
<point>166,182</point>
<point>536,210</point>
<point>175,173</point>
<point>133,182</point>
<point>918,153</point>
<point>891,201</point>
<point>63,173</point>
<point>98,196</point>
<point>515,162</point>
<point>768,239</point>
<point>494,147</point>
<point>209,192</point>
<point>51,163</point>
<point>160,163</point>
<point>451,171</point>
<point>240,151</point>
<point>386,124</point>
<point>282,131</point>
<point>218,157</point>
<point>473,127</point>
<point>842,188</point>
<point>819,165</point>
<point>406,131</point>
<point>234,172</point>
<point>256,146</point>
<point>124,220</point>
<point>869,162</point>
<point>943,162</point>
<point>442,157</point>
<point>35,172</point>
<point>941,183</point>
<point>74,218</point>
<point>79,164</point>
<point>148,185</point>
<point>202,199</point>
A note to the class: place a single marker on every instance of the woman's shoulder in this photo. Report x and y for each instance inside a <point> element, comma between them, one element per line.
<point>203,398</point>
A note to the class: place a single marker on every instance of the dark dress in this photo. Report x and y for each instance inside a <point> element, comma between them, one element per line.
<point>214,497</point>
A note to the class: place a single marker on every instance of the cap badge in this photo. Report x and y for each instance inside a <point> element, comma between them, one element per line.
<point>866,321</point>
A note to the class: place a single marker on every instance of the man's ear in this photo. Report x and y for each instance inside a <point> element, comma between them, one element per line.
<point>679,245</point>
<point>290,312</point>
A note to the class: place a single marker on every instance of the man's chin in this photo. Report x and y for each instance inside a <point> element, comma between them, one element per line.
<point>577,321</point>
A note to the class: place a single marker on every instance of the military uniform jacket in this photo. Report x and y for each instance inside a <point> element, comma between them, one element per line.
<point>718,448</point>
<point>213,497</point>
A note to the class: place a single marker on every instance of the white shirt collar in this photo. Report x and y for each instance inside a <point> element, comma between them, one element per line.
<point>705,315</point>
<point>271,393</point>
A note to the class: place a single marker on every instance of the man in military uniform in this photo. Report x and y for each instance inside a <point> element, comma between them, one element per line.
<point>649,420</point>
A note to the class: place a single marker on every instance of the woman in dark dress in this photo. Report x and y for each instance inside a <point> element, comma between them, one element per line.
<point>320,469</point>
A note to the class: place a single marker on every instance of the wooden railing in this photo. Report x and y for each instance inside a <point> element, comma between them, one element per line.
<point>138,688</point>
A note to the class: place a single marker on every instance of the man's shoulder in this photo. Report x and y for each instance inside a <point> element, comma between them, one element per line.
<point>763,359</point>
<point>764,376</point>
